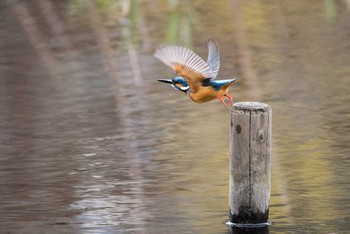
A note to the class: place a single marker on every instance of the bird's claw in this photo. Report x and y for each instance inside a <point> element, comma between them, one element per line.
<point>230,97</point>
<point>222,101</point>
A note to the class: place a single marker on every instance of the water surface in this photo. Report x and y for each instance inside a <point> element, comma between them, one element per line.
<point>91,143</point>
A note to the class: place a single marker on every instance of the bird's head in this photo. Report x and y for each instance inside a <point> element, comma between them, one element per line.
<point>178,83</point>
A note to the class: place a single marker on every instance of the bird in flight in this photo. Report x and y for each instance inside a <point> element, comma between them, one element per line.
<point>195,77</point>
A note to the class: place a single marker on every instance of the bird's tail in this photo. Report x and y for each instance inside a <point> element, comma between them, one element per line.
<point>228,83</point>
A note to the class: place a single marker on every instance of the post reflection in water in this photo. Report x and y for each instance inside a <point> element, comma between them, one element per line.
<point>90,142</point>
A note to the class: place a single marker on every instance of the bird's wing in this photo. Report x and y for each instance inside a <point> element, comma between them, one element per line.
<point>213,57</point>
<point>185,63</point>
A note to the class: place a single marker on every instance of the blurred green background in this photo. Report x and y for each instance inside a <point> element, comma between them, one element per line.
<point>90,142</point>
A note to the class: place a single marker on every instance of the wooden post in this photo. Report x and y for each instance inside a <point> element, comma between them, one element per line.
<point>250,164</point>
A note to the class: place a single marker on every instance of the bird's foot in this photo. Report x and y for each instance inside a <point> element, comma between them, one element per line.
<point>229,97</point>
<point>222,101</point>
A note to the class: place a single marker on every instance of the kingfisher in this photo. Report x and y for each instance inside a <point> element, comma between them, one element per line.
<point>194,76</point>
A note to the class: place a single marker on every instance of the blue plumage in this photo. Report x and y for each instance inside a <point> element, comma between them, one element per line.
<point>196,77</point>
<point>217,84</point>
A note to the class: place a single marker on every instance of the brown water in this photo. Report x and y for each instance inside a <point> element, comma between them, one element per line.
<point>91,143</point>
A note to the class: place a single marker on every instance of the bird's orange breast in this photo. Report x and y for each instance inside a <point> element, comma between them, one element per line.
<point>204,94</point>
<point>208,93</point>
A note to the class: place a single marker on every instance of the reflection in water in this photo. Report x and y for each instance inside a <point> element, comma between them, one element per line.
<point>104,202</point>
<point>91,143</point>
<point>35,37</point>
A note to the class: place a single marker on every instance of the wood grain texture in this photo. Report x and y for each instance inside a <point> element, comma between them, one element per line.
<point>250,169</point>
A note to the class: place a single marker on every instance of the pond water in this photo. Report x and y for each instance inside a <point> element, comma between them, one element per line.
<point>90,142</point>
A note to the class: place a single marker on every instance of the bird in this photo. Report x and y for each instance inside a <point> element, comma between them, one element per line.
<point>194,76</point>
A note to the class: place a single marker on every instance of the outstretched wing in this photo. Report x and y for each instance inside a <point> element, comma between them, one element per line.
<point>213,57</point>
<point>185,63</point>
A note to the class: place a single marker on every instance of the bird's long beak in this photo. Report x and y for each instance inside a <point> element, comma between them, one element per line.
<point>169,81</point>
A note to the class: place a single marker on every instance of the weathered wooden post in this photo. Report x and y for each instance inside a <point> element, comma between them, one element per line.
<point>250,164</point>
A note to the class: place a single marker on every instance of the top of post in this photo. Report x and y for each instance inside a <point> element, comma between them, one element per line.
<point>250,106</point>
